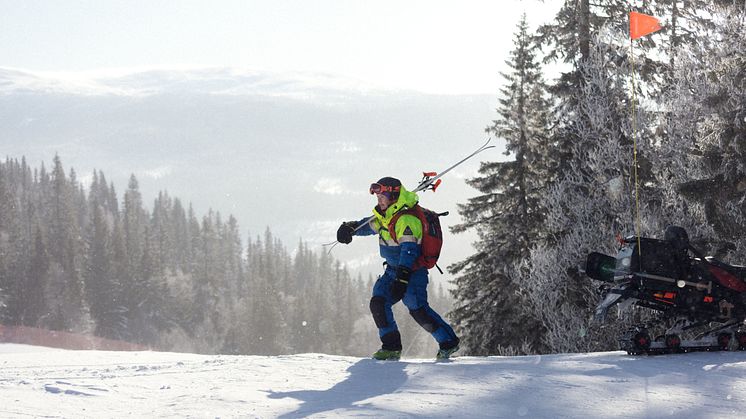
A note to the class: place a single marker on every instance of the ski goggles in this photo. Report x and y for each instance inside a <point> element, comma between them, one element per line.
<point>376,188</point>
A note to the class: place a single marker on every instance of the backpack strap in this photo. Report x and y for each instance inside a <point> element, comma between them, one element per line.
<point>395,218</point>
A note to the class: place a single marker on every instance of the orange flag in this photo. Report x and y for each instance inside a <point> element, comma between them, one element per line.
<point>641,25</point>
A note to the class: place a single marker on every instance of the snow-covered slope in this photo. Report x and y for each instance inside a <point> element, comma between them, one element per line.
<point>40,382</point>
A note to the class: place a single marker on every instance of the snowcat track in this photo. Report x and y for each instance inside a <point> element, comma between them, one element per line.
<point>637,342</point>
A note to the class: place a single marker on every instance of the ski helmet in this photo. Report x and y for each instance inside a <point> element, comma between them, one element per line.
<point>388,186</point>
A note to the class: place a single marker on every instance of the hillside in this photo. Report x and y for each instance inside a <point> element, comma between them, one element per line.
<point>44,382</point>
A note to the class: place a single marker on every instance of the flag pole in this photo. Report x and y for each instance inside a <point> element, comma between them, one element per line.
<point>638,226</point>
<point>639,26</point>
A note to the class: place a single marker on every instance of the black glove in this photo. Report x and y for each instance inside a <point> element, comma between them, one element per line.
<point>345,231</point>
<point>399,286</point>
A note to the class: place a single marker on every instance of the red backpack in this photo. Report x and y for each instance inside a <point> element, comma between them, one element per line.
<point>432,235</point>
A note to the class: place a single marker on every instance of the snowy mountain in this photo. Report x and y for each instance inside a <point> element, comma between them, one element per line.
<point>42,382</point>
<point>241,141</point>
<point>215,81</point>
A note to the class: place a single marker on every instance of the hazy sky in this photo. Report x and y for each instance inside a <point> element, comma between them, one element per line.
<point>432,46</point>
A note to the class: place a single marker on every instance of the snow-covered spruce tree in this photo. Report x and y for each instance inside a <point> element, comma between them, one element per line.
<point>591,202</point>
<point>265,319</point>
<point>104,261</point>
<point>101,285</point>
<point>568,37</point>
<point>143,296</point>
<point>65,285</point>
<point>10,239</point>
<point>6,206</point>
<point>685,22</point>
<point>702,150</point>
<point>35,305</point>
<point>490,311</point>
<point>344,311</point>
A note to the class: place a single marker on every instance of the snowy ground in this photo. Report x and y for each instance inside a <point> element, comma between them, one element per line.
<point>42,382</point>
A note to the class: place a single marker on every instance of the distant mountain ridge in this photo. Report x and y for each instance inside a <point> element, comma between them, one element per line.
<point>295,152</point>
<point>216,81</point>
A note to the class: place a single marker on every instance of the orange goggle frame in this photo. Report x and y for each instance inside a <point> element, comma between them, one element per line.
<point>378,188</point>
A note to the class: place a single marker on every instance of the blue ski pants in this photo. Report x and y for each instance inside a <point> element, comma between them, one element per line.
<point>415,299</point>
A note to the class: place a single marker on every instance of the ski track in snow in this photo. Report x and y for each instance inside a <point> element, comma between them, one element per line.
<point>43,382</point>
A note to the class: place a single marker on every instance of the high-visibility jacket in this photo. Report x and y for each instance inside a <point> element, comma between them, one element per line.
<point>405,250</point>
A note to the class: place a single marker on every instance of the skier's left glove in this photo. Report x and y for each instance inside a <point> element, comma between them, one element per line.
<point>399,287</point>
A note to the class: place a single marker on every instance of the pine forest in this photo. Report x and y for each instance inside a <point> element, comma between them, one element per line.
<point>88,261</point>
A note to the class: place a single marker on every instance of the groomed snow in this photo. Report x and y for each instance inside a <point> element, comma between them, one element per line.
<point>43,382</point>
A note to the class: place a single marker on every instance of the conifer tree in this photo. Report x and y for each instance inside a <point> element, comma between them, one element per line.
<point>566,42</point>
<point>105,263</point>
<point>265,320</point>
<point>297,296</point>
<point>343,313</point>
<point>206,305</point>
<point>7,214</point>
<point>151,290</point>
<point>231,260</point>
<point>65,286</point>
<point>134,223</point>
<point>144,290</point>
<point>702,162</point>
<point>182,239</point>
<point>490,310</point>
<point>102,288</point>
<point>594,195</point>
<point>591,202</point>
<point>688,22</point>
<point>35,305</point>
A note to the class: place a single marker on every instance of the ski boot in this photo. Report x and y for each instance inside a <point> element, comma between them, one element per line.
<point>444,354</point>
<point>387,355</point>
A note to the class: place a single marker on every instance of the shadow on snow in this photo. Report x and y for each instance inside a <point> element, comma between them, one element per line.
<point>367,379</point>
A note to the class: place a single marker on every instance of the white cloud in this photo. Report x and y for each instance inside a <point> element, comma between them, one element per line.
<point>346,147</point>
<point>158,172</point>
<point>330,186</point>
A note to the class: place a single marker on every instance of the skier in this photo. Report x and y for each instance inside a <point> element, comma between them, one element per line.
<point>403,279</point>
